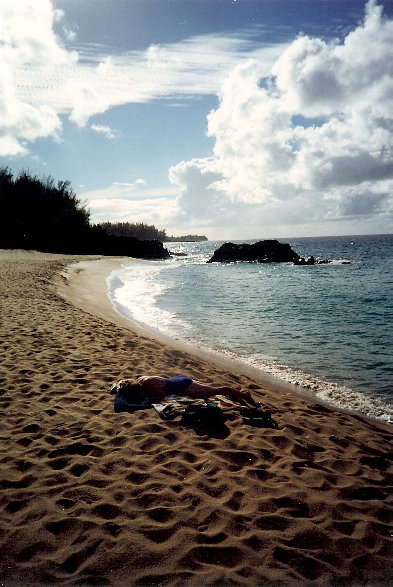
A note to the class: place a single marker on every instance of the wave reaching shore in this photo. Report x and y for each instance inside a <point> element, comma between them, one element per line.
<point>92,497</point>
<point>325,328</point>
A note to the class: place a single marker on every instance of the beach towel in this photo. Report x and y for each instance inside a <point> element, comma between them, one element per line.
<point>122,404</point>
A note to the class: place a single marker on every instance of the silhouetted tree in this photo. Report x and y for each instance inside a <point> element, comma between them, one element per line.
<point>190,238</point>
<point>40,214</point>
<point>138,230</point>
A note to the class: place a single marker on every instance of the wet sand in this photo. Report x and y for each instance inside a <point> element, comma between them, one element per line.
<point>88,496</point>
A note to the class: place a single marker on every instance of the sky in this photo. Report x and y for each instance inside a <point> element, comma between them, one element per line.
<point>235,119</point>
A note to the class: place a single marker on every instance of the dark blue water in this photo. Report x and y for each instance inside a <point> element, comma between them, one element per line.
<point>325,327</point>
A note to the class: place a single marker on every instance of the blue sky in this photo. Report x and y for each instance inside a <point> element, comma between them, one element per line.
<point>234,119</point>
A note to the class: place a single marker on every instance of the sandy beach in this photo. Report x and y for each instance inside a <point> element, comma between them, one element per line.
<point>92,497</point>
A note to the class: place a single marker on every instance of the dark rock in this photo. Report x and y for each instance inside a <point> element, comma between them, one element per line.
<point>92,241</point>
<point>267,251</point>
<point>130,247</point>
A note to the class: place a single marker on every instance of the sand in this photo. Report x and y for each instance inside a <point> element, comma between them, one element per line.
<point>91,497</point>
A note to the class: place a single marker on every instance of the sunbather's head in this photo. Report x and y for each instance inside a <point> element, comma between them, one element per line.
<point>130,388</point>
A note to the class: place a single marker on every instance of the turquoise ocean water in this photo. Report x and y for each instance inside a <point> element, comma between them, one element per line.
<point>328,328</point>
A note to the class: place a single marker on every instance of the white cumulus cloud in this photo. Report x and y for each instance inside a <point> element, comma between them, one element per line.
<point>313,141</point>
<point>27,42</point>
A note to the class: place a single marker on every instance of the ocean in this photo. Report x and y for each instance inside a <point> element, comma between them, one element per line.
<point>326,328</point>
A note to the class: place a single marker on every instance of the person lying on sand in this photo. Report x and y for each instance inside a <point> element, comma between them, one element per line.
<point>159,387</point>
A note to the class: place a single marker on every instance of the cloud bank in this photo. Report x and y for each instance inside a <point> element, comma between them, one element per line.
<point>311,143</point>
<point>121,202</point>
<point>41,80</point>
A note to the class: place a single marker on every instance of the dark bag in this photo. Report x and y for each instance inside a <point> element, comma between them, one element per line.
<point>208,416</point>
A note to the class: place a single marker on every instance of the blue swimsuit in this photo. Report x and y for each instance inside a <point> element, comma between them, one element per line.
<point>177,385</point>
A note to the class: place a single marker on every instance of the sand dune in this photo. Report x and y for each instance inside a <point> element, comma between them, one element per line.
<point>91,497</point>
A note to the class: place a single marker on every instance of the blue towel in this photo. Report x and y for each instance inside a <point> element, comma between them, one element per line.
<point>122,404</point>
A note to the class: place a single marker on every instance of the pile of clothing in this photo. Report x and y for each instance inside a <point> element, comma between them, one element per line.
<point>206,412</point>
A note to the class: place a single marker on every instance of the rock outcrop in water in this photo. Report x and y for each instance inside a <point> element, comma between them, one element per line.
<point>267,251</point>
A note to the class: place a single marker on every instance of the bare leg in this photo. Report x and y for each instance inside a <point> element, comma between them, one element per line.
<point>239,395</point>
<point>197,389</point>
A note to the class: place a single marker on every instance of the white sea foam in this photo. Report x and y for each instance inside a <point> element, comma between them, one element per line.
<point>134,292</point>
<point>338,396</point>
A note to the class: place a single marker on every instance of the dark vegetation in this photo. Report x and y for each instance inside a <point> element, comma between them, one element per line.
<point>146,232</point>
<point>137,230</point>
<point>187,238</point>
<point>48,216</point>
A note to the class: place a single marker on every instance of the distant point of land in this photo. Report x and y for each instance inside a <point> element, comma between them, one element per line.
<point>188,238</point>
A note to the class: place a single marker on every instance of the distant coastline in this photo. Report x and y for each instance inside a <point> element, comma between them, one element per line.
<point>189,238</point>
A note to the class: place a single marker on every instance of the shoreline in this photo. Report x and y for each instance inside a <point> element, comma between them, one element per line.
<point>85,284</point>
<point>89,496</point>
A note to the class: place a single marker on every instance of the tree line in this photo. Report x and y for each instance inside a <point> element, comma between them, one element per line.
<point>47,216</point>
<point>144,231</point>
<point>138,230</point>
